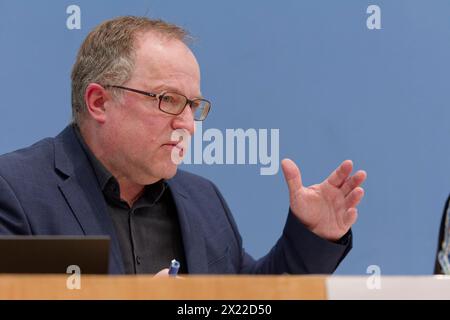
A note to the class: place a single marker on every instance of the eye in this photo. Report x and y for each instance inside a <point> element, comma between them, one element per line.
<point>168,98</point>
<point>173,98</point>
<point>195,105</point>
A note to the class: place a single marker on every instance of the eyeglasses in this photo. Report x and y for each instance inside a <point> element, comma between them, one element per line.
<point>174,103</point>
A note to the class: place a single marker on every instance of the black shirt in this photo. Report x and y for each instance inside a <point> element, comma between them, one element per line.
<point>148,232</point>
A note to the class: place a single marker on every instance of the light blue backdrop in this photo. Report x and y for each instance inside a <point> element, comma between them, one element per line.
<point>312,69</point>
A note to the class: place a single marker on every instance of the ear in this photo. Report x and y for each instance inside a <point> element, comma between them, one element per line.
<point>95,97</point>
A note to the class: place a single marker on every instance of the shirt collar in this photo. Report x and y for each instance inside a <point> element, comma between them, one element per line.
<point>102,174</point>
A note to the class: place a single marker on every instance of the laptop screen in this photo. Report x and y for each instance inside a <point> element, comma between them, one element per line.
<point>54,254</point>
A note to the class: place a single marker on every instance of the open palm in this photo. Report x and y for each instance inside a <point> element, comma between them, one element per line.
<point>328,209</point>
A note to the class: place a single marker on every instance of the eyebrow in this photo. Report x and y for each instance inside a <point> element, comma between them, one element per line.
<point>173,89</point>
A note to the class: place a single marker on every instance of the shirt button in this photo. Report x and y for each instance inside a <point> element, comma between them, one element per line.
<point>138,260</point>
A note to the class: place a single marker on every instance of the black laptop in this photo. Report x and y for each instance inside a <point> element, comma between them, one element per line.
<point>54,254</point>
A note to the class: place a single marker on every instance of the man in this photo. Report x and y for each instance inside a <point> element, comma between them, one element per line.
<point>112,172</point>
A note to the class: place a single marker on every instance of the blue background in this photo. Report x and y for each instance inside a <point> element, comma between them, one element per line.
<point>312,69</point>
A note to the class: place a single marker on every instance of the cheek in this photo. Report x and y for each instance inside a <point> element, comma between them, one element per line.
<point>144,139</point>
<point>140,129</point>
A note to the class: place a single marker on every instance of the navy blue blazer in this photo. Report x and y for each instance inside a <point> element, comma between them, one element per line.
<point>50,188</point>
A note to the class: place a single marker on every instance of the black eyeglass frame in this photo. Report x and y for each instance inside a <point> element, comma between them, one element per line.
<point>160,96</point>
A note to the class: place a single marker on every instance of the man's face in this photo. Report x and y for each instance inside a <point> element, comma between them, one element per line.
<point>137,132</point>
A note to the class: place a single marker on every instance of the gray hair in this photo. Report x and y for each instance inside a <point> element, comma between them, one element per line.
<point>107,55</point>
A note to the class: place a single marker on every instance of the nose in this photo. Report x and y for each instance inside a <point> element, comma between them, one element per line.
<point>185,120</point>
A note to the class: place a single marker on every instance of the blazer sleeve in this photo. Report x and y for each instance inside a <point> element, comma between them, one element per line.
<point>297,251</point>
<point>13,220</point>
<point>437,265</point>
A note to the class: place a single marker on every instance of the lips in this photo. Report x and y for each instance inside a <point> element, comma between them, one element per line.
<point>178,145</point>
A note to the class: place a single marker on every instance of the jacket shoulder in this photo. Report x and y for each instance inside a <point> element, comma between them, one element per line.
<point>23,162</point>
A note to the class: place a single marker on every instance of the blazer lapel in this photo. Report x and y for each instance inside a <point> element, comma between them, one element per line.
<point>83,195</point>
<point>192,235</point>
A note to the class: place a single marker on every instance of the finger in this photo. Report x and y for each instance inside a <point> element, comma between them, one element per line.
<point>163,273</point>
<point>292,175</point>
<point>350,217</point>
<point>354,181</point>
<point>354,197</point>
<point>341,174</point>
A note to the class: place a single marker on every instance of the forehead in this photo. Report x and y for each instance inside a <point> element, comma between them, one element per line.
<point>160,61</point>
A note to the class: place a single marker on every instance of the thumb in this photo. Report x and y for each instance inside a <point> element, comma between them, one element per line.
<point>292,176</point>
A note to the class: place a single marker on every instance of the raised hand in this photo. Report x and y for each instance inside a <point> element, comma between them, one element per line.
<point>328,209</point>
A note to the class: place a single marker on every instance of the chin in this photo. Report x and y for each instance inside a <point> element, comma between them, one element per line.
<point>168,172</point>
<point>162,169</point>
<point>171,174</point>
